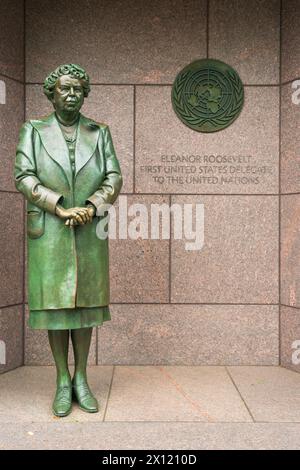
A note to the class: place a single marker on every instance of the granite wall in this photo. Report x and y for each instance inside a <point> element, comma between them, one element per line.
<point>11,202</point>
<point>220,304</point>
<point>290,188</point>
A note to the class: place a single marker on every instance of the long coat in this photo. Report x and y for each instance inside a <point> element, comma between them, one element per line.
<point>67,266</point>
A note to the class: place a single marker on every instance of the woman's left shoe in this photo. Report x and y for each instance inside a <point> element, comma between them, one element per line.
<point>85,398</point>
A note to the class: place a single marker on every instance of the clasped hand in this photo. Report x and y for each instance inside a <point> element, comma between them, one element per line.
<point>76,215</point>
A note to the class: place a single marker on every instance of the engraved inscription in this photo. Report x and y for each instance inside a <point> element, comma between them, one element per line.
<point>207,169</point>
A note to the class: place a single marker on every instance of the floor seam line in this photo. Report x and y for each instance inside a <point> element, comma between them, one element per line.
<point>240,395</point>
<point>109,392</point>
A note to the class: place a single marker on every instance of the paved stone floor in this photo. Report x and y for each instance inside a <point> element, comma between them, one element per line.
<point>156,407</point>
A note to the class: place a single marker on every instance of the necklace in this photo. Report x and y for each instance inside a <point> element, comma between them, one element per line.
<point>70,138</point>
<point>70,134</point>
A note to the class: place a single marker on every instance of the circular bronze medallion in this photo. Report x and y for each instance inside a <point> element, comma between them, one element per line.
<point>207,95</point>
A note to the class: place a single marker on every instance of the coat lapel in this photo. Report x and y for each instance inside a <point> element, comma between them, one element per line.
<point>56,147</point>
<point>54,143</point>
<point>87,138</point>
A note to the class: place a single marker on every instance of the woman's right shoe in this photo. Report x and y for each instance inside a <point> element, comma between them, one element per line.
<point>62,404</point>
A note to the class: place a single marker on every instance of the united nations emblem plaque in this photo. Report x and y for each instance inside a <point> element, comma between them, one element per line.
<point>207,95</point>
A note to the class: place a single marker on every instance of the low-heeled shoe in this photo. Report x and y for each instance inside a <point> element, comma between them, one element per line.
<point>85,398</point>
<point>62,404</point>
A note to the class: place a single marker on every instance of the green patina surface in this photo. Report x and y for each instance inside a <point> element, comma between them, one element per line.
<point>207,95</point>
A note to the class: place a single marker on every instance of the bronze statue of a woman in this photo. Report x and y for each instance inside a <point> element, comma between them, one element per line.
<point>67,168</point>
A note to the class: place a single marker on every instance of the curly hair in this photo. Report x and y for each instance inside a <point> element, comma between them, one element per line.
<point>75,71</point>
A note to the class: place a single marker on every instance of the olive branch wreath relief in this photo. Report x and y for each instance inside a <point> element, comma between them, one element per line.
<point>215,123</point>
